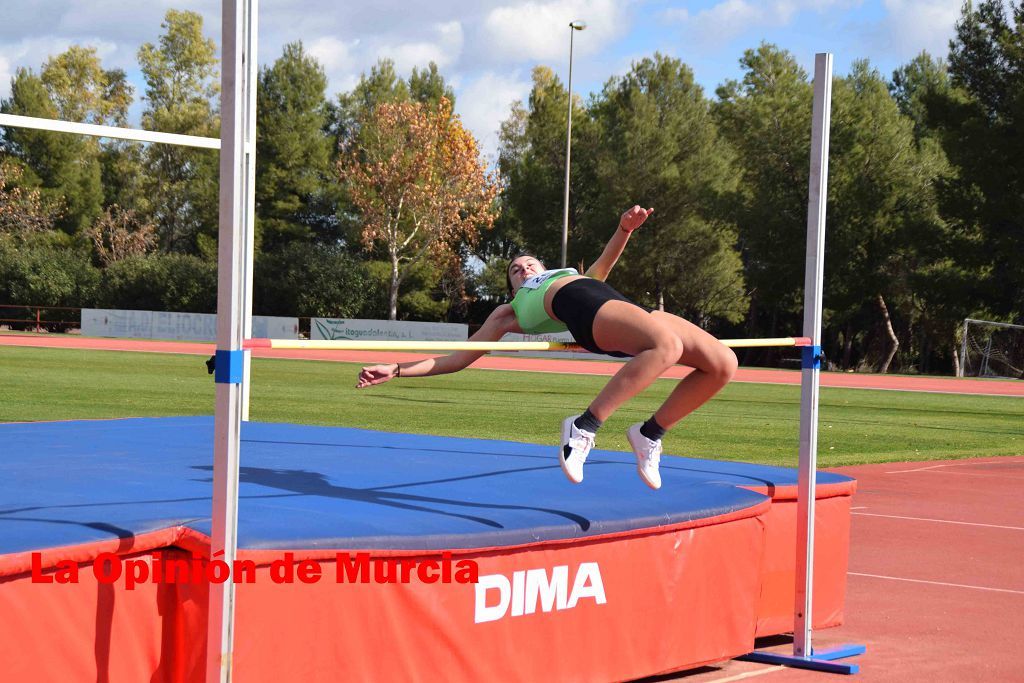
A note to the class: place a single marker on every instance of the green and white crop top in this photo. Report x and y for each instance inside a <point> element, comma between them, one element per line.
<point>528,303</point>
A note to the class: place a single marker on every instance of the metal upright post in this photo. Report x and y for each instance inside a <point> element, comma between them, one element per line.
<point>234,285</point>
<point>249,220</point>
<point>237,53</point>
<point>803,653</point>
<point>573,27</point>
<point>963,351</point>
<point>811,365</point>
<point>568,153</point>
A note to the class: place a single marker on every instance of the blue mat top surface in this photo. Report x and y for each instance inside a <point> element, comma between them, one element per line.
<point>68,483</point>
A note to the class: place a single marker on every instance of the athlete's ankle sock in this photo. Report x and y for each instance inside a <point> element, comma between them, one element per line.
<point>652,430</point>
<point>588,422</point>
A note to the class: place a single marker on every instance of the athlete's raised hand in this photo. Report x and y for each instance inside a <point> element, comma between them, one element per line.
<point>634,218</point>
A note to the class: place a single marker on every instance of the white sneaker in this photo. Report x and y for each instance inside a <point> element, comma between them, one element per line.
<point>576,445</point>
<point>648,456</point>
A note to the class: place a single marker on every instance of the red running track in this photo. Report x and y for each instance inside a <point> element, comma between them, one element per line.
<point>936,585</point>
<point>950,385</point>
<point>936,578</point>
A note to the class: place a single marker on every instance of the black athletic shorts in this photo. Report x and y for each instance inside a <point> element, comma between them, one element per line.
<point>576,304</point>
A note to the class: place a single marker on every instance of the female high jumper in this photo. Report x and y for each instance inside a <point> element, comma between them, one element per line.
<point>602,321</point>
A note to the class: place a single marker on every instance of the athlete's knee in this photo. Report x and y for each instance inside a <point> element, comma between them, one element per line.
<point>723,365</point>
<point>668,347</point>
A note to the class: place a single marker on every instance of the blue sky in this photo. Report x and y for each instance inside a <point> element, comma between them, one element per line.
<point>487,48</point>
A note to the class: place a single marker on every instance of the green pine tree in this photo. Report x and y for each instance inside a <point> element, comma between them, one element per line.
<point>181,86</point>
<point>294,191</point>
<point>660,147</point>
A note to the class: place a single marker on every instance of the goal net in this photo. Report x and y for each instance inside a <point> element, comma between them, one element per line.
<point>991,349</point>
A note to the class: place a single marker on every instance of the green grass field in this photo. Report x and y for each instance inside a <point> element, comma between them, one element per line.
<point>750,422</point>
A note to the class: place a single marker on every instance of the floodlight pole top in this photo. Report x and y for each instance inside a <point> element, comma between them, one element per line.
<point>577,25</point>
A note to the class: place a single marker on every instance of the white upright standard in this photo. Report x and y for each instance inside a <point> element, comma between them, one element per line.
<point>817,200</point>
<point>234,286</point>
<point>234,275</point>
<point>804,655</point>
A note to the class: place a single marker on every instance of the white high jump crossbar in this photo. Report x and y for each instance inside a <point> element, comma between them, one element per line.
<point>91,129</point>
<point>378,345</point>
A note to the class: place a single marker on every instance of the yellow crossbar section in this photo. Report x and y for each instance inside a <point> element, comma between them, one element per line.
<point>378,345</point>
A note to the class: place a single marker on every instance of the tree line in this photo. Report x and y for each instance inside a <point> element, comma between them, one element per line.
<point>375,202</point>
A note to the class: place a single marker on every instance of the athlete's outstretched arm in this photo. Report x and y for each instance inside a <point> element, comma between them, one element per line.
<point>630,221</point>
<point>501,320</point>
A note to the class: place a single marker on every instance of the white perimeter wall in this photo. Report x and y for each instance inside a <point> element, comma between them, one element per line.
<point>100,322</point>
<point>385,330</point>
<point>563,337</point>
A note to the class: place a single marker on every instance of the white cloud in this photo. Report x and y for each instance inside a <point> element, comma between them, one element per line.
<point>344,61</point>
<point>6,74</point>
<point>339,60</point>
<point>732,18</point>
<point>333,54</point>
<point>104,48</point>
<point>127,21</point>
<point>485,102</point>
<point>675,14</point>
<point>538,31</point>
<point>31,53</point>
<point>915,25</point>
<point>444,50</point>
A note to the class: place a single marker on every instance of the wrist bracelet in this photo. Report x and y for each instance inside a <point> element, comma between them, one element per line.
<point>398,370</point>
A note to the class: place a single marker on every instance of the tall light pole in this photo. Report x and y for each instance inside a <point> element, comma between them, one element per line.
<point>573,27</point>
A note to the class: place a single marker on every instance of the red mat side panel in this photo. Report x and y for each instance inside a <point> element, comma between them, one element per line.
<point>644,604</point>
<point>88,631</point>
<point>831,558</point>
<point>639,604</point>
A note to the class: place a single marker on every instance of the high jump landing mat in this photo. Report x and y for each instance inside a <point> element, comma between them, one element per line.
<point>606,580</point>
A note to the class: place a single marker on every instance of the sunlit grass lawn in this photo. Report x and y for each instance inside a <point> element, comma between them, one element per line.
<point>751,422</point>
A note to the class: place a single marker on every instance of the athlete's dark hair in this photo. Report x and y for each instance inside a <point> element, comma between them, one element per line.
<point>508,280</point>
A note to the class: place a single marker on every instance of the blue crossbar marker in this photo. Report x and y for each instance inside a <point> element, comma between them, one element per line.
<point>229,366</point>
<point>811,358</point>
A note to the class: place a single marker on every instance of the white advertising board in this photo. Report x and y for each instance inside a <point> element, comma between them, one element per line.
<point>563,337</point>
<point>386,330</point>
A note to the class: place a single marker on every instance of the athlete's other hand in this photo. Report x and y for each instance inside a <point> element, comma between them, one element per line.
<point>634,218</point>
<point>375,374</point>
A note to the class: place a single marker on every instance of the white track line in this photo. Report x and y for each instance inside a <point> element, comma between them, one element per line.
<point>942,521</point>
<point>952,464</point>
<point>1003,477</point>
<point>964,392</point>
<point>749,674</point>
<point>918,469</point>
<point>938,583</point>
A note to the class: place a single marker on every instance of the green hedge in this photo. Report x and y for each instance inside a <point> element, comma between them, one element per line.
<point>46,275</point>
<point>160,282</point>
<point>313,280</point>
